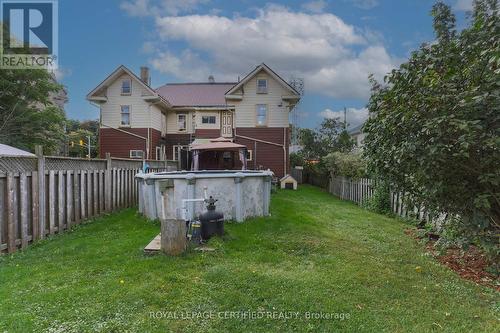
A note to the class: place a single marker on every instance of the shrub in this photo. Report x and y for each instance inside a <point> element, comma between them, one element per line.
<point>350,165</point>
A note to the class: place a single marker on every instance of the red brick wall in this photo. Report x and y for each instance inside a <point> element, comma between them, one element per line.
<point>119,144</point>
<point>207,133</point>
<point>266,155</point>
<point>175,139</point>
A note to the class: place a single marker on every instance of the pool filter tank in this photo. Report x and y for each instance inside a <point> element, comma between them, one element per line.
<point>212,221</point>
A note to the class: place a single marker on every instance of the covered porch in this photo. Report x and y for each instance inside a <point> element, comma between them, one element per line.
<point>218,154</point>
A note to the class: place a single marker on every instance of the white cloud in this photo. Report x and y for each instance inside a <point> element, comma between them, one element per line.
<point>365,4</point>
<point>463,5</point>
<point>317,6</point>
<point>142,8</point>
<point>354,116</point>
<point>333,57</point>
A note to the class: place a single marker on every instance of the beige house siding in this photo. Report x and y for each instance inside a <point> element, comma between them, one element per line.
<point>245,114</point>
<point>172,122</point>
<point>142,114</point>
<point>200,114</point>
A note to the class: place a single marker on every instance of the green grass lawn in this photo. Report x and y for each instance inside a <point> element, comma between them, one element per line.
<point>314,254</point>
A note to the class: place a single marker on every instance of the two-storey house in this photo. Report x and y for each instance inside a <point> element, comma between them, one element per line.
<point>138,121</point>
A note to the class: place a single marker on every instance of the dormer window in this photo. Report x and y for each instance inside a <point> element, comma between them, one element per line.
<point>126,87</point>
<point>261,86</point>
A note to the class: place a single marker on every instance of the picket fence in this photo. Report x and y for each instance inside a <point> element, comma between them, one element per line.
<point>360,190</point>
<point>46,195</point>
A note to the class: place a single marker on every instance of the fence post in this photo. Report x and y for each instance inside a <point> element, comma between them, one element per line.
<point>107,183</point>
<point>41,190</point>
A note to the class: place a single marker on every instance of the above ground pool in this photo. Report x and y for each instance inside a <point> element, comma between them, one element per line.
<point>240,194</point>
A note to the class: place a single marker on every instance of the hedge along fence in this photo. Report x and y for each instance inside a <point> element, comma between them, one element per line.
<point>62,192</point>
<point>362,189</point>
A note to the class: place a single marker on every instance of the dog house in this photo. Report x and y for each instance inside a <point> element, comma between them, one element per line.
<point>288,182</point>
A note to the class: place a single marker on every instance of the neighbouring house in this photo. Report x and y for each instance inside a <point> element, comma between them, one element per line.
<point>214,122</point>
<point>6,150</point>
<point>357,136</point>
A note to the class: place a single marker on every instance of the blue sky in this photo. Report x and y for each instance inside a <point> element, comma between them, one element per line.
<point>334,45</point>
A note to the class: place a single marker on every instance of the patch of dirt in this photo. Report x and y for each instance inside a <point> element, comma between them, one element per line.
<point>470,264</point>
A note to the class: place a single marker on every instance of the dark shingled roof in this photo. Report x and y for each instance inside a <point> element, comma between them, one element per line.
<point>195,94</point>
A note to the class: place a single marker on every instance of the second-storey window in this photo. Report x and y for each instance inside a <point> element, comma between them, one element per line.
<point>261,114</point>
<point>126,87</point>
<point>261,86</point>
<point>208,120</point>
<point>125,115</point>
<point>181,122</point>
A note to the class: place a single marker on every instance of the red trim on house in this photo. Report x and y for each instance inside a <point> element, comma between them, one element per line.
<point>207,133</point>
<point>119,144</point>
<point>265,155</point>
<point>173,140</point>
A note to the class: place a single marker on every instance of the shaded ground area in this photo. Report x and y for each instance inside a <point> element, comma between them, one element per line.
<point>338,266</point>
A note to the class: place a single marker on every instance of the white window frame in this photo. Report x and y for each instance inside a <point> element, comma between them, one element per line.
<point>208,120</point>
<point>179,129</point>
<point>249,155</point>
<point>122,113</point>
<point>257,106</point>
<point>129,87</point>
<point>136,153</point>
<point>158,153</point>
<point>261,89</point>
<point>175,149</point>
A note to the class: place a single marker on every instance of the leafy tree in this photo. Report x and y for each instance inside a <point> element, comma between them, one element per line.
<point>350,165</point>
<point>27,117</point>
<point>435,124</point>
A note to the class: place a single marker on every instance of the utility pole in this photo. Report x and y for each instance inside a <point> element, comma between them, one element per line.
<point>345,118</point>
<point>88,145</point>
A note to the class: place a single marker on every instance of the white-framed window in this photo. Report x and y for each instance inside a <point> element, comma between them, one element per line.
<point>158,153</point>
<point>261,86</point>
<point>125,115</point>
<point>137,154</point>
<point>177,151</point>
<point>261,114</point>
<point>249,155</point>
<point>181,122</point>
<point>126,87</point>
<point>208,119</point>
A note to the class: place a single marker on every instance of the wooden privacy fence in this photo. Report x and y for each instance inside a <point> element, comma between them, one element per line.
<point>357,190</point>
<point>360,190</point>
<point>41,202</point>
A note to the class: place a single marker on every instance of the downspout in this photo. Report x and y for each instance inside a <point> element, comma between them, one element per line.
<point>284,151</point>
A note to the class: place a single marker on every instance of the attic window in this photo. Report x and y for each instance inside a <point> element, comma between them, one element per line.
<point>261,86</point>
<point>126,87</point>
<point>181,122</point>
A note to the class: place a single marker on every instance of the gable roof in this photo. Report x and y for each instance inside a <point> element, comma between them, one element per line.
<point>195,94</point>
<point>263,67</point>
<point>115,75</point>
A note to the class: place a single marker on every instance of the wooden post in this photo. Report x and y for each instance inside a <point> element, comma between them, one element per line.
<point>76,197</point>
<point>35,209</point>
<point>82,195</point>
<point>41,191</point>
<point>107,181</point>
<point>60,201</point>
<point>173,231</point>
<point>89,194</point>
<point>23,190</point>
<point>96,196</point>
<point>69,199</point>
<point>52,202</point>
<point>101,191</point>
<point>11,227</point>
